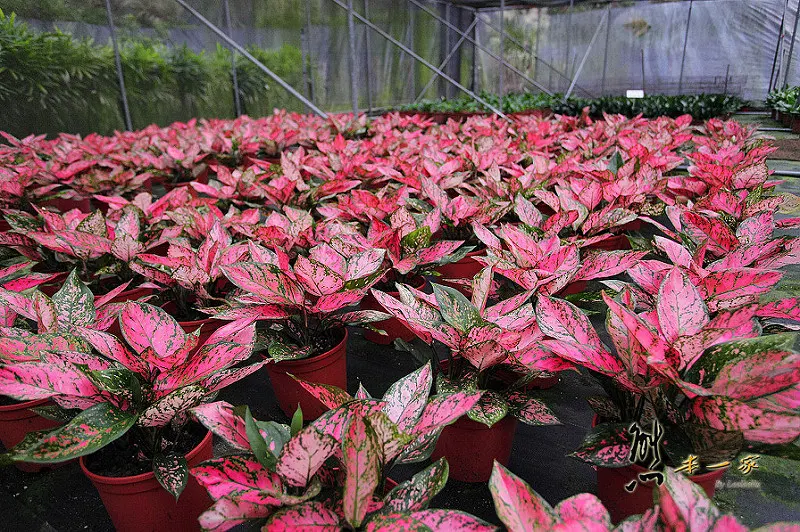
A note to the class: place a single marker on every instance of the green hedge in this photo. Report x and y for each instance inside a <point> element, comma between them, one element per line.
<point>701,106</point>
<point>785,100</point>
<point>52,82</point>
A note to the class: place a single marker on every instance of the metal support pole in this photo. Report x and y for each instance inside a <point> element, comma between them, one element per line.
<point>422,60</point>
<point>501,88</point>
<point>643,84</point>
<point>778,46</point>
<point>482,48</point>
<point>474,83</point>
<point>548,64</point>
<point>791,46</point>
<point>351,48</point>
<point>585,56</point>
<point>237,102</point>
<point>605,52</point>
<point>536,49</point>
<point>727,74</point>
<point>239,48</point>
<point>368,59</point>
<point>568,48</point>
<point>444,61</point>
<point>307,64</point>
<point>412,20</point>
<point>685,41</point>
<point>126,112</point>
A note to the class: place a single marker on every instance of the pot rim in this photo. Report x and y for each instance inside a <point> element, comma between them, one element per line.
<point>316,358</point>
<point>24,405</point>
<point>117,481</point>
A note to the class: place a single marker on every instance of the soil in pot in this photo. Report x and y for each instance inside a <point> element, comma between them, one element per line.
<point>471,447</point>
<point>16,420</point>
<point>328,367</point>
<point>138,502</point>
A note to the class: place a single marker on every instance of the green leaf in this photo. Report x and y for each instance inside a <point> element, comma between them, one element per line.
<point>615,163</point>
<point>257,443</point>
<point>74,302</point>
<point>607,445</point>
<point>54,413</point>
<point>297,421</point>
<point>92,429</point>
<point>490,409</point>
<point>417,239</point>
<point>457,309</point>
<point>717,357</point>
<point>172,472</point>
<point>118,381</point>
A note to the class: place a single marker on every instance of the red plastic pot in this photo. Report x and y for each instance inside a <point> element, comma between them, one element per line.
<point>209,326</point>
<point>16,421</point>
<point>326,368</point>
<point>574,288</point>
<point>465,268</point>
<point>393,327</point>
<point>139,503</point>
<point>471,447</point>
<point>620,503</point>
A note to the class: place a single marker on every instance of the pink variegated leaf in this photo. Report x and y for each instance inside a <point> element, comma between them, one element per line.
<point>362,469</point>
<point>756,229</point>
<point>161,412</point>
<point>171,471</point>
<point>519,507</point>
<point>27,381</point>
<point>416,493</point>
<point>784,308</point>
<point>330,396</point>
<point>337,301</point>
<point>303,455</point>
<point>648,338</point>
<point>607,264</point>
<point>218,417</point>
<point>146,326</point>
<point>452,520</point>
<point>735,287</point>
<point>364,264</point>
<point>750,177</point>
<point>684,505</point>
<point>318,278</point>
<point>225,514</point>
<point>699,228</point>
<point>438,251</point>
<point>110,347</point>
<point>527,212</point>
<point>490,409</point>
<point>442,410</point>
<point>562,320</point>
<point>530,411</point>
<point>456,309</point>
<point>756,424</point>
<point>312,516</point>
<point>678,254</point>
<point>221,379</point>
<point>74,302</point>
<point>264,280</point>
<point>680,307</point>
<point>758,375</point>
<point>406,399</point>
<point>239,477</point>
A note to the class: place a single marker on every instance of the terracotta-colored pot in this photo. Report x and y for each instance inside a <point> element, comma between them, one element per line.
<point>393,327</point>
<point>471,447</point>
<point>620,503</point>
<point>326,368</point>
<point>16,421</point>
<point>139,503</point>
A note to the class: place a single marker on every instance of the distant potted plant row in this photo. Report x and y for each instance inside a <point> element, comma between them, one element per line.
<point>475,246</point>
<point>785,107</point>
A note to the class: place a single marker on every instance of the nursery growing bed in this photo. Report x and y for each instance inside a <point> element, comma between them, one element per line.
<point>63,499</point>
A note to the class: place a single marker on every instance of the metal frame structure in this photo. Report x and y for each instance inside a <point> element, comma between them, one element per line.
<point>480,12</point>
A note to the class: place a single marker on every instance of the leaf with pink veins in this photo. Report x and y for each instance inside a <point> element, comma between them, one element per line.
<point>527,212</point>
<point>756,424</point>
<point>160,412</point>
<point>218,417</point>
<point>784,308</point>
<point>364,264</point>
<point>406,398</point>
<point>678,254</point>
<point>486,236</point>
<point>562,320</point>
<point>519,507</point>
<point>313,515</point>
<point>264,280</point>
<point>361,463</point>
<point>146,326</point>
<point>27,381</point>
<point>756,229</point>
<point>303,455</point>
<point>681,310</point>
<point>317,278</point>
<point>442,410</point>
<point>330,396</point>
<point>607,264</point>
<point>649,339</point>
<point>758,375</point>
<point>649,274</point>
<point>750,177</point>
<point>735,287</point>
<point>720,238</point>
<point>684,506</point>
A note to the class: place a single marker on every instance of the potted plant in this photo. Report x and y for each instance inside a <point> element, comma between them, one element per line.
<point>681,505</point>
<point>333,473</point>
<point>193,276</point>
<point>482,340</point>
<point>687,363</point>
<point>305,303</point>
<point>125,407</point>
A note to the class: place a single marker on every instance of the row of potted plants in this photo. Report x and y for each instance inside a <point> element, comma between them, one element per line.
<point>785,107</point>
<point>701,106</point>
<point>275,259</point>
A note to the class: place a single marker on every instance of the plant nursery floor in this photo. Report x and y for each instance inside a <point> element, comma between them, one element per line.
<point>64,500</point>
